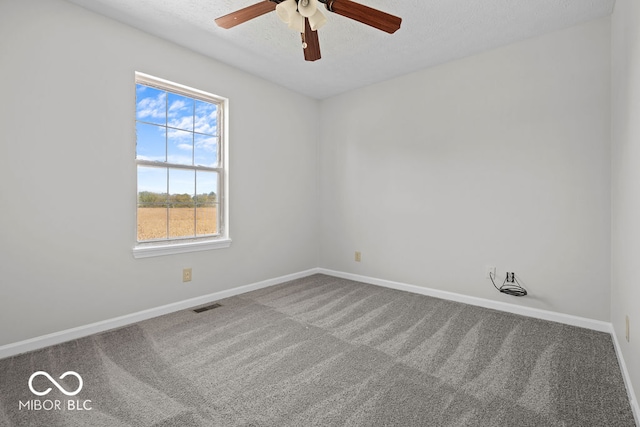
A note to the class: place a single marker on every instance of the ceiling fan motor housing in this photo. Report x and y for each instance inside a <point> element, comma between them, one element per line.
<point>327,3</point>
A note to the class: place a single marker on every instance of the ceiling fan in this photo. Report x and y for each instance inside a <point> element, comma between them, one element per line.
<point>305,17</point>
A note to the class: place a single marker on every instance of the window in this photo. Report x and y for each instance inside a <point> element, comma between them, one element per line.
<point>181,169</point>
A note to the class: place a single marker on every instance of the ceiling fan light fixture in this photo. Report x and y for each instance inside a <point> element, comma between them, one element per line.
<point>307,7</point>
<point>287,10</point>
<point>297,23</point>
<point>317,20</point>
<point>304,17</point>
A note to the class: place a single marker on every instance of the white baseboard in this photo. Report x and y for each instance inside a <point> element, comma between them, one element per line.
<point>633,401</point>
<point>117,322</point>
<point>567,319</point>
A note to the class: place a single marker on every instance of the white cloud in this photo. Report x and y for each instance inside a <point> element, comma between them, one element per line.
<point>152,107</point>
<point>206,119</point>
<point>150,158</point>
<point>175,106</point>
<point>180,159</point>
<point>179,136</point>
<point>184,122</point>
<point>206,144</point>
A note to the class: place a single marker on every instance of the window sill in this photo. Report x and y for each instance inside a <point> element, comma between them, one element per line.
<point>153,249</point>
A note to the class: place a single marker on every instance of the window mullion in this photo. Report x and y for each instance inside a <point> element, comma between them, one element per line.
<point>166,205</point>
<point>195,172</point>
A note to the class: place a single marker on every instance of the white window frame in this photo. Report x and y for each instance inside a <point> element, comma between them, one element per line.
<point>194,244</point>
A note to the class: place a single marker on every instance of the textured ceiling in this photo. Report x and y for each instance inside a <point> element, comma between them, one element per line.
<point>353,54</point>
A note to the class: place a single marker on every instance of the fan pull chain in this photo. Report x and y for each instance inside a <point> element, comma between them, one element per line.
<point>304,42</point>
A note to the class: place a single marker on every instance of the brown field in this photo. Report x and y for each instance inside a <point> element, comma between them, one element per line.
<point>152,222</point>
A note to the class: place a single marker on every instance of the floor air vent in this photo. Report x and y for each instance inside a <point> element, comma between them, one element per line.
<point>207,308</point>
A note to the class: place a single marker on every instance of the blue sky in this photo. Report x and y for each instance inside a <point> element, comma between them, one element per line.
<point>180,130</point>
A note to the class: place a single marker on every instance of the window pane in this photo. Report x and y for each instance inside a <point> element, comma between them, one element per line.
<point>151,105</point>
<point>207,203</point>
<point>206,120</point>
<point>206,150</point>
<point>152,203</point>
<point>206,220</point>
<point>154,180</point>
<point>180,147</point>
<point>180,112</point>
<point>151,143</point>
<point>152,223</point>
<point>207,186</point>
<point>181,222</point>
<point>181,203</point>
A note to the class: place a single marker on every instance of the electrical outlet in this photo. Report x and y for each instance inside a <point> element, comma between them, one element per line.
<point>186,275</point>
<point>358,256</point>
<point>490,272</point>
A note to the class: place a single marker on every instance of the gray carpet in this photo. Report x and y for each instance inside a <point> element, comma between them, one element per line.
<point>322,351</point>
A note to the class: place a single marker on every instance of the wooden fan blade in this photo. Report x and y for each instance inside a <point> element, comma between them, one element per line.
<point>365,14</point>
<point>312,51</point>
<point>245,14</point>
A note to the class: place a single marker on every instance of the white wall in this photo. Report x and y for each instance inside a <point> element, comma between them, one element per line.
<point>67,176</point>
<point>625,135</point>
<point>501,158</point>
